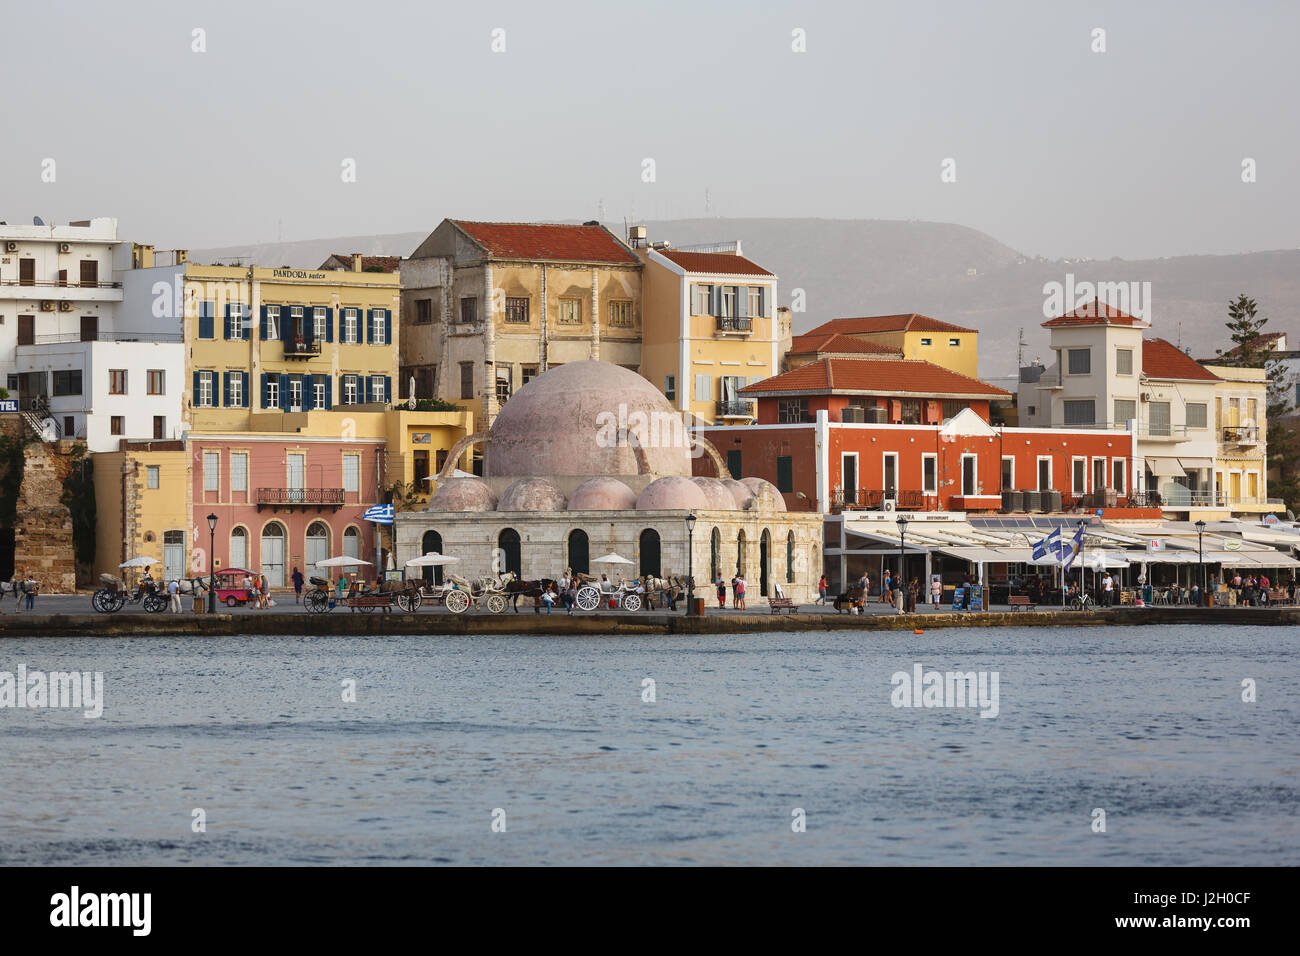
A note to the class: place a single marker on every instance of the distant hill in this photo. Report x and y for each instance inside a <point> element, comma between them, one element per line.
<point>850,267</point>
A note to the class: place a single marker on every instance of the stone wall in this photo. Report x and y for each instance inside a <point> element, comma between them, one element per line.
<point>43,547</point>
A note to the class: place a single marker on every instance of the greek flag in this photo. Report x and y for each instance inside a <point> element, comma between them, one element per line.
<point>1076,546</point>
<point>379,514</point>
<point>1051,543</point>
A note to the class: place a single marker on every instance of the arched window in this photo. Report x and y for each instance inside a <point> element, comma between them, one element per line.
<point>740,554</point>
<point>318,546</point>
<point>238,548</point>
<point>715,555</point>
<point>429,544</point>
<point>764,562</point>
<point>510,558</point>
<point>789,558</point>
<point>352,542</point>
<point>273,554</point>
<point>579,551</point>
<point>649,549</point>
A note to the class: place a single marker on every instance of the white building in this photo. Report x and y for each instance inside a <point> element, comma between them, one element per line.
<point>1106,375</point>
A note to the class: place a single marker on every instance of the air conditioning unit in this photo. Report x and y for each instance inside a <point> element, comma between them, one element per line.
<point>1145,396</point>
<point>65,306</point>
<point>888,506</point>
<point>853,413</point>
<point>65,247</point>
<point>47,305</point>
<point>877,415</point>
<point>11,246</point>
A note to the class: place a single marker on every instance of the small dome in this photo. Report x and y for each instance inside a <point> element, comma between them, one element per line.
<point>719,495</point>
<point>462,494</point>
<point>672,493</point>
<point>739,492</point>
<point>602,494</point>
<point>766,496</point>
<point>532,494</point>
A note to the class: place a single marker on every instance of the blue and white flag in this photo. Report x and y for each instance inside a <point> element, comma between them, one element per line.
<point>1076,546</point>
<point>1051,543</point>
<point>379,514</point>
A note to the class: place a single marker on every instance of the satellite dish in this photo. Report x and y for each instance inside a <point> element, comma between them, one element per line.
<point>36,221</point>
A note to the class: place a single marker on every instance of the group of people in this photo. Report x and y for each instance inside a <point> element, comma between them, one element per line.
<point>171,588</point>
<point>27,587</point>
<point>737,592</point>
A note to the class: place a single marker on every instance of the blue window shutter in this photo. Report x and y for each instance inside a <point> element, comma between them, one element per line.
<point>262,330</point>
<point>329,325</point>
<point>329,392</point>
<point>225,389</point>
<point>244,400</point>
<point>284,392</point>
<point>206,330</point>
<point>369,316</point>
<point>388,389</point>
<point>365,389</point>
<point>266,390</point>
<point>286,324</point>
<point>388,326</point>
<point>194,402</point>
<point>226,333</point>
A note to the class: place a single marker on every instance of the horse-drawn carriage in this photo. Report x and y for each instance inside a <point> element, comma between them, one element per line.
<point>113,596</point>
<point>490,593</point>
<point>405,595</point>
<point>593,593</point>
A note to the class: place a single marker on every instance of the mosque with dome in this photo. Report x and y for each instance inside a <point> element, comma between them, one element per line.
<point>590,458</point>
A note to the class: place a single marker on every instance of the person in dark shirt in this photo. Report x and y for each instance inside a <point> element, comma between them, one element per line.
<point>297,579</point>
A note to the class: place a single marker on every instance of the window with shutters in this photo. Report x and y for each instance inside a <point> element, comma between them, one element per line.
<point>318,323</point>
<point>620,313</point>
<point>352,473</point>
<point>350,330</point>
<point>236,321</point>
<point>755,300</point>
<point>1197,415</point>
<point>237,390</point>
<point>379,334</point>
<point>727,301</point>
<point>570,311</point>
<point>239,471</point>
<point>157,381</point>
<point>117,381</point>
<point>377,390</point>
<point>1080,361</point>
<point>517,310</point>
<point>153,476</point>
<point>212,471</point>
<point>350,389</point>
<point>207,324</point>
<point>1079,412</point>
<point>272,322</point>
<point>704,388</point>
<point>206,389</point>
<point>1123,361</point>
<point>469,308</point>
<point>702,300</point>
<point>295,393</point>
<point>1158,419</point>
<point>1125,410</point>
<point>318,392</point>
<point>466,379</point>
<point>273,392</point>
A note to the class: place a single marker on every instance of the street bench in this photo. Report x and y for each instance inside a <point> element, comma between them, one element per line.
<point>779,604</point>
<point>1021,602</point>
<point>369,600</point>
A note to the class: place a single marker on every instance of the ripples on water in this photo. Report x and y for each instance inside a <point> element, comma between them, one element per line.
<point>1147,723</point>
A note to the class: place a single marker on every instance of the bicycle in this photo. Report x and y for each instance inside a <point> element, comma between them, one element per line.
<point>1082,602</point>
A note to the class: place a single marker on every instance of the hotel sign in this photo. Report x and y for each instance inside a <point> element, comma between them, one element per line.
<point>296,274</point>
<point>8,405</point>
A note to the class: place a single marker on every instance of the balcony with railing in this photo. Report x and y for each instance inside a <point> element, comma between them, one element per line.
<point>69,338</point>
<point>873,499</point>
<point>1241,434</point>
<point>736,408</point>
<point>302,348</point>
<point>299,497</point>
<point>1162,431</point>
<point>62,290</point>
<point>734,325</point>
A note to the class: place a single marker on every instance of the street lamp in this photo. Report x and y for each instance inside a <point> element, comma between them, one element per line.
<point>212,564</point>
<point>690,564</point>
<point>902,578</point>
<point>1200,557</point>
<point>1083,554</point>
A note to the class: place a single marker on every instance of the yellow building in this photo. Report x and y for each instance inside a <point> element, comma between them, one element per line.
<point>141,495</point>
<point>711,328</point>
<point>915,336</point>
<point>1241,436</point>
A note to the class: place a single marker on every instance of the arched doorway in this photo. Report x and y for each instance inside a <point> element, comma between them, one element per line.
<point>715,555</point>
<point>740,554</point>
<point>431,542</point>
<point>352,542</point>
<point>238,549</point>
<point>509,557</point>
<point>789,558</point>
<point>579,551</point>
<point>649,551</point>
<point>273,554</point>
<point>173,555</point>
<point>764,561</point>
<point>318,547</point>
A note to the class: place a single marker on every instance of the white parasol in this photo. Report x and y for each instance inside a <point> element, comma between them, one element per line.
<point>431,560</point>
<point>341,561</point>
<point>611,558</point>
<point>141,562</point>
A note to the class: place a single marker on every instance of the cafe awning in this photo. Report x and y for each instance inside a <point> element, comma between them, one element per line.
<point>977,555</point>
<point>1165,467</point>
<point>1194,464</point>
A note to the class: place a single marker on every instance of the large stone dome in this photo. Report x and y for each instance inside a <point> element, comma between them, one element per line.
<point>602,494</point>
<point>532,494</point>
<point>568,421</point>
<point>719,495</point>
<point>672,493</point>
<point>739,492</point>
<point>462,494</point>
<point>766,495</point>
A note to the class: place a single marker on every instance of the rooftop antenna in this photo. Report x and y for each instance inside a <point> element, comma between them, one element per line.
<point>707,205</point>
<point>1020,350</point>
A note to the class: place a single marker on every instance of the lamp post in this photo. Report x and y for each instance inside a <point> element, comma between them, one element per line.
<point>690,564</point>
<point>1083,554</point>
<point>1200,558</point>
<point>902,556</point>
<point>212,564</point>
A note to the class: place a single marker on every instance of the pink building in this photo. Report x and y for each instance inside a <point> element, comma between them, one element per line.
<point>285,501</point>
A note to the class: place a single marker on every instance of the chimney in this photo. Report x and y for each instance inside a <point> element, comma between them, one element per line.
<point>356,262</point>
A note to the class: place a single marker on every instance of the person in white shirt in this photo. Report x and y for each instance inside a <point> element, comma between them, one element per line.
<point>1107,590</point>
<point>174,590</point>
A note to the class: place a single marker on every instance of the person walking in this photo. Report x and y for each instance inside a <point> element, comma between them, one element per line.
<point>821,590</point>
<point>174,595</point>
<point>887,588</point>
<point>936,590</point>
<point>297,579</point>
<point>263,590</point>
<point>1107,590</point>
<point>31,587</point>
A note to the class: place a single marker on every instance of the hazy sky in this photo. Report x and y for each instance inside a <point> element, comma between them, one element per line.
<point>1059,151</point>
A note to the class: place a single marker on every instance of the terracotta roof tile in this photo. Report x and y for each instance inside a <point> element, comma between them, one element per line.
<point>1095,312</point>
<point>721,263</point>
<point>1162,360</point>
<point>811,342</point>
<point>875,376</point>
<point>909,322</point>
<point>548,241</point>
<point>386,263</point>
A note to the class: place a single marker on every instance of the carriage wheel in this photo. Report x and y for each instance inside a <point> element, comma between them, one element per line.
<point>632,602</point>
<point>457,601</point>
<point>409,601</point>
<point>496,603</point>
<point>97,600</point>
<point>113,601</point>
<point>153,603</point>
<point>588,598</point>
<point>317,602</point>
